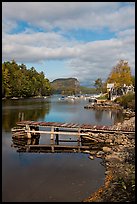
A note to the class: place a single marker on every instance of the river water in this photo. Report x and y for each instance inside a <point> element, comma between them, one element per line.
<point>50,177</point>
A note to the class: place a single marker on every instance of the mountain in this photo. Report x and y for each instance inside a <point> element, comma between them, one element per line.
<point>67,86</point>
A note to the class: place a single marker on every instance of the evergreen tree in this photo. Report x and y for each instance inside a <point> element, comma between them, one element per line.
<point>18,81</point>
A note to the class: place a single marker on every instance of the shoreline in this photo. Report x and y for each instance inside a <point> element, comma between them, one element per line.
<point>119,161</point>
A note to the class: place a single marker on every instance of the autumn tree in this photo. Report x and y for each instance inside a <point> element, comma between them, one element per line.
<point>133,80</point>
<point>120,74</point>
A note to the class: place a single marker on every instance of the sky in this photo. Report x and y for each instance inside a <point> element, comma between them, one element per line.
<point>84,40</point>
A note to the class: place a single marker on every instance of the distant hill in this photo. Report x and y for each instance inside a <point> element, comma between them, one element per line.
<point>67,86</point>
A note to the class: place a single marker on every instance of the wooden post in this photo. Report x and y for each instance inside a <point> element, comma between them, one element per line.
<point>57,137</point>
<point>28,141</point>
<point>52,139</point>
<point>28,133</point>
<point>78,139</point>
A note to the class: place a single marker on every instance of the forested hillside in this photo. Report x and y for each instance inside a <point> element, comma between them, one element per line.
<point>18,81</point>
<point>68,86</point>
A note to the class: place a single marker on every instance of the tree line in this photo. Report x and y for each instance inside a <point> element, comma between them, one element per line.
<point>19,81</point>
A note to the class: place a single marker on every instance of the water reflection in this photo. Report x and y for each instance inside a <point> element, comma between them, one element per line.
<point>20,143</point>
<point>98,115</point>
<point>48,177</point>
<point>53,110</point>
<point>114,115</point>
<point>29,109</point>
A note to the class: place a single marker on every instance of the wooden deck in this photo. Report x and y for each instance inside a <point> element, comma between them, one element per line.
<point>84,127</point>
<point>26,135</point>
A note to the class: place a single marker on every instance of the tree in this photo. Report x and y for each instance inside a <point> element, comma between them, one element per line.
<point>18,81</point>
<point>6,87</point>
<point>120,74</point>
<point>98,84</point>
<point>133,81</point>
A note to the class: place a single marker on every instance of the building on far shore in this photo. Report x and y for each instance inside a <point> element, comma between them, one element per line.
<point>115,92</point>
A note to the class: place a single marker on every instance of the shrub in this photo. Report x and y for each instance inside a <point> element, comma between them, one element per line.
<point>104,96</point>
<point>127,101</point>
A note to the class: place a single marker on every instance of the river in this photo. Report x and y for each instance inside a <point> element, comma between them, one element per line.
<point>50,177</point>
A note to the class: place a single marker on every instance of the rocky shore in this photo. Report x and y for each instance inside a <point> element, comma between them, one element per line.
<point>118,154</point>
<point>103,105</point>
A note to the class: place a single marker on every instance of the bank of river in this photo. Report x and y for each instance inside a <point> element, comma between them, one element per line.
<point>119,161</point>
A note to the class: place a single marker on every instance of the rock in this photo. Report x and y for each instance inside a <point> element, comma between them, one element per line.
<point>119,159</point>
<point>107,172</point>
<point>86,151</point>
<point>92,152</point>
<point>111,137</point>
<point>107,149</point>
<point>91,157</point>
<point>124,142</point>
<point>118,141</point>
<point>112,157</point>
<point>100,153</point>
<point>108,141</point>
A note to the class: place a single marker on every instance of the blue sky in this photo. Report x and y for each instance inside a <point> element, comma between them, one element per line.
<point>69,39</point>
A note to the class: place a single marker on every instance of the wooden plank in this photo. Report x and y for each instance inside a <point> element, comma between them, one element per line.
<point>75,125</point>
<point>56,132</point>
<point>78,134</point>
<point>70,125</point>
<point>58,146</point>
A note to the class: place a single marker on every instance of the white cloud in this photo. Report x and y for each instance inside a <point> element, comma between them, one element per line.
<point>85,60</point>
<point>98,58</point>
<point>37,46</point>
<point>71,15</point>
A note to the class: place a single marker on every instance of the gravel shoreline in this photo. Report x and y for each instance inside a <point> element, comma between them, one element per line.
<point>119,161</point>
